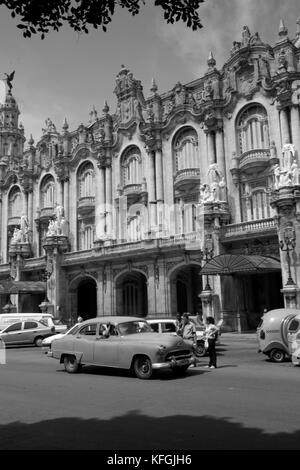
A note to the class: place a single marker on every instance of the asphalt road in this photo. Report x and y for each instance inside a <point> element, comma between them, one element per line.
<point>246,403</point>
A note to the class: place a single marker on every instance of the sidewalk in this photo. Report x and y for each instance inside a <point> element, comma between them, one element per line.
<point>244,336</point>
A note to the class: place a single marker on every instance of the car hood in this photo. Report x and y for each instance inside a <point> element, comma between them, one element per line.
<point>165,339</point>
<point>52,338</point>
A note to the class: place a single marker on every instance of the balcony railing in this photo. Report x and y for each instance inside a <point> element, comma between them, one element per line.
<point>244,228</point>
<point>186,176</point>
<point>47,212</point>
<point>254,158</point>
<point>13,221</point>
<point>132,189</point>
<point>86,202</point>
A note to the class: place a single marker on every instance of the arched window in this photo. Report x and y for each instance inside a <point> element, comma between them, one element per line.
<point>253,129</point>
<point>255,204</point>
<point>86,236</point>
<point>86,180</point>
<point>15,203</point>
<point>185,149</point>
<point>131,166</point>
<point>48,194</point>
<point>134,227</point>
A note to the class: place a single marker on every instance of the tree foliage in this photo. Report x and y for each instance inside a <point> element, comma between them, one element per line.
<point>40,16</point>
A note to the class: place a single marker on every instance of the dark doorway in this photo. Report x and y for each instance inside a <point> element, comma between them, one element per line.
<point>132,296</point>
<point>188,285</point>
<point>29,303</point>
<point>87,299</point>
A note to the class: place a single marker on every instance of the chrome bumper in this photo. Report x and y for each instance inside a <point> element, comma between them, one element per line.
<point>173,363</point>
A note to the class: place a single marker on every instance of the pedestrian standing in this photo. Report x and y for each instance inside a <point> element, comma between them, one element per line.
<point>211,335</point>
<point>79,319</point>
<point>188,333</point>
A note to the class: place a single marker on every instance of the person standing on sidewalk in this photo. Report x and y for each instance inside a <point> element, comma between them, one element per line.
<point>188,333</point>
<point>211,335</point>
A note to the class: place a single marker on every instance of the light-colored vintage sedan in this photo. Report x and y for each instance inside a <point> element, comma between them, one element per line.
<point>122,342</point>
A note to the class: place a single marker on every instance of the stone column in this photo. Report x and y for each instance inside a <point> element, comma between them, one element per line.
<point>108,197</point>
<point>284,125</point>
<point>25,202</point>
<point>152,191</point>
<point>60,193</point>
<point>1,222</point>
<point>30,209</point>
<point>211,154</point>
<point>295,124</point>
<point>221,151</point>
<point>159,187</point>
<point>100,203</point>
<point>66,199</point>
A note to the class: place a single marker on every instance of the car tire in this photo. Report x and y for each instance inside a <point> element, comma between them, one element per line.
<point>38,341</point>
<point>71,364</point>
<point>142,367</point>
<point>277,355</point>
<point>200,350</point>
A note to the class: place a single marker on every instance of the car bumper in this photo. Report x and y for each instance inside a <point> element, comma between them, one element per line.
<point>173,363</point>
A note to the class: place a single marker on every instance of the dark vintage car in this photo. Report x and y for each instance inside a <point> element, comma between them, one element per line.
<point>122,342</point>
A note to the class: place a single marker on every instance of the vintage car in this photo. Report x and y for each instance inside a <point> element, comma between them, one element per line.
<point>26,332</point>
<point>122,342</point>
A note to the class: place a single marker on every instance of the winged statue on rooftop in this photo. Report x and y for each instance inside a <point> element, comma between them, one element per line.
<point>9,79</point>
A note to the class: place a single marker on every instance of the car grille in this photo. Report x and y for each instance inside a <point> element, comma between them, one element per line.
<point>179,354</point>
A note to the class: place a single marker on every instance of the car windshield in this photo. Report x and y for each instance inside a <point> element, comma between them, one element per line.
<point>131,327</point>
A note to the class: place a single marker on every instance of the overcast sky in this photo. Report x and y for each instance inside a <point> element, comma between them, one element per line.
<point>66,74</point>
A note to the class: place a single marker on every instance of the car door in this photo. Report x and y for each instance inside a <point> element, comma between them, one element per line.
<point>84,342</point>
<point>30,330</point>
<point>106,351</point>
<point>12,334</point>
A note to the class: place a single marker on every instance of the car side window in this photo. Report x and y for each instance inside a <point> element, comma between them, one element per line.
<point>154,327</point>
<point>89,330</point>
<point>15,327</point>
<point>30,324</point>
<point>294,326</point>
<point>169,327</point>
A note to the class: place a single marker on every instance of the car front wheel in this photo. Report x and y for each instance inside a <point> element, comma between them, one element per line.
<point>71,364</point>
<point>142,367</point>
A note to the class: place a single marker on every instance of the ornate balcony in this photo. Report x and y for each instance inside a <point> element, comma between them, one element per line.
<point>86,205</point>
<point>187,178</point>
<point>135,192</point>
<point>245,230</point>
<point>47,213</point>
<point>13,221</point>
<point>254,160</point>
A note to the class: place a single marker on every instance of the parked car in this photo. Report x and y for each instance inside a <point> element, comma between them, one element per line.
<point>121,342</point>
<point>7,319</point>
<point>294,340</point>
<point>168,325</point>
<point>26,332</point>
<point>47,342</point>
<point>272,333</point>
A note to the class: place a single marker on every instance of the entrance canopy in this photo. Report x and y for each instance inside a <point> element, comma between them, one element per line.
<point>16,287</point>
<point>232,264</point>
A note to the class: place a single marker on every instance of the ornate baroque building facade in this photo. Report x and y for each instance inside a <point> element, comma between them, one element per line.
<point>120,215</point>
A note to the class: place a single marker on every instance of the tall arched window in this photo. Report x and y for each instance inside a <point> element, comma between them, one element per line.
<point>86,180</point>
<point>255,203</point>
<point>48,194</point>
<point>185,149</point>
<point>131,166</point>
<point>15,203</point>
<point>253,129</point>
<point>86,236</point>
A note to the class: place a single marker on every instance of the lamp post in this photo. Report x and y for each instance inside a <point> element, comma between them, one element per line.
<point>207,254</point>
<point>287,245</point>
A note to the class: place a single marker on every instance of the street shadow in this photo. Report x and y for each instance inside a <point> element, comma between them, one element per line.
<point>139,431</point>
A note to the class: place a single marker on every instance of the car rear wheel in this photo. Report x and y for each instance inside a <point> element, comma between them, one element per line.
<point>71,364</point>
<point>142,367</point>
<point>277,355</point>
<point>200,350</point>
<point>38,342</point>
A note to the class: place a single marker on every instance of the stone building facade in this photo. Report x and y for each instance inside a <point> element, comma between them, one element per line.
<point>121,215</point>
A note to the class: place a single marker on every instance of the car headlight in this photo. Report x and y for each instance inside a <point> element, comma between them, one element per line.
<point>161,350</point>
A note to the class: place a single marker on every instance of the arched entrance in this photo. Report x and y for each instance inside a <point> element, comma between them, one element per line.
<point>186,285</point>
<point>87,299</point>
<point>131,294</point>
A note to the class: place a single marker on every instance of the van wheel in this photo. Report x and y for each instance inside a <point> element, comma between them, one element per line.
<point>142,367</point>
<point>38,342</point>
<point>71,364</point>
<point>277,355</point>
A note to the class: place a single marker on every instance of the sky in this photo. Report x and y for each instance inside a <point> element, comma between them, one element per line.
<point>65,74</point>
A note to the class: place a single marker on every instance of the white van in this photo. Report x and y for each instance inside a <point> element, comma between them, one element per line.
<point>9,318</point>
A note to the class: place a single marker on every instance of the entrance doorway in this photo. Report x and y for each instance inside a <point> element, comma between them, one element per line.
<point>132,296</point>
<point>186,285</point>
<point>260,291</point>
<point>87,299</point>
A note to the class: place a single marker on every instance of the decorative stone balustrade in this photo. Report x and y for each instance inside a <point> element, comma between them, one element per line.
<point>12,221</point>
<point>86,204</point>
<point>244,228</point>
<point>187,176</point>
<point>258,158</point>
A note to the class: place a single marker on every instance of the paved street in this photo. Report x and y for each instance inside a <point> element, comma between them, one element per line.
<point>247,403</point>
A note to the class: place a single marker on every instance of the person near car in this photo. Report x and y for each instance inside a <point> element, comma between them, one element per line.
<point>79,319</point>
<point>178,324</point>
<point>188,332</point>
<point>211,335</point>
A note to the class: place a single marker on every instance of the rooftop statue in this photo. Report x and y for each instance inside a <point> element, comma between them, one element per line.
<point>9,79</point>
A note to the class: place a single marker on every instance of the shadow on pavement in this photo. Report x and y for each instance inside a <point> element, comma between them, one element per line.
<point>135,430</point>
